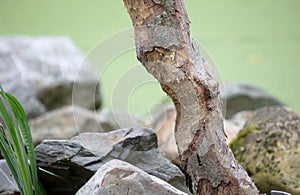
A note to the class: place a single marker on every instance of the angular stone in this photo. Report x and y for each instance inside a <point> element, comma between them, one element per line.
<point>245,97</point>
<point>74,160</point>
<point>72,164</point>
<point>138,139</point>
<point>139,148</point>
<point>119,177</point>
<point>45,73</point>
<point>269,149</point>
<point>87,152</point>
<point>100,142</point>
<point>8,185</point>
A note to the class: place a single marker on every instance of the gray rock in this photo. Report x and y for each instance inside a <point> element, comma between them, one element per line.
<point>8,185</point>
<point>119,177</point>
<point>117,119</point>
<point>45,73</point>
<point>163,118</point>
<point>66,122</point>
<point>72,164</point>
<point>137,146</point>
<point>100,142</point>
<point>236,123</point>
<point>73,161</point>
<point>269,149</point>
<point>162,121</point>
<point>244,97</point>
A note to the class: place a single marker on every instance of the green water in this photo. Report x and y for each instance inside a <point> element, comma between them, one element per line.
<point>252,41</point>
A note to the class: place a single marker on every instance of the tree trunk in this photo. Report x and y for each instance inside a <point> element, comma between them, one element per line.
<point>166,49</point>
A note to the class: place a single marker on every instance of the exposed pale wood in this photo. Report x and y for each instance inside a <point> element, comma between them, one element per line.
<point>166,49</point>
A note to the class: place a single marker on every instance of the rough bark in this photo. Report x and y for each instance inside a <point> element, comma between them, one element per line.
<point>166,49</point>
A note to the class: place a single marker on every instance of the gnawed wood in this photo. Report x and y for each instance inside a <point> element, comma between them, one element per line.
<point>166,49</point>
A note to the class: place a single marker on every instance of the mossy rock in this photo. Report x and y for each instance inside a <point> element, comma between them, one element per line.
<point>269,149</point>
<point>237,143</point>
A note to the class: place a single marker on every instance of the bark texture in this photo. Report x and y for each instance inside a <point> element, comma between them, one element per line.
<point>166,49</point>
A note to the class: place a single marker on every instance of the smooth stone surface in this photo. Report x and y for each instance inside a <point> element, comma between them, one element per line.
<point>45,73</point>
<point>100,142</point>
<point>245,97</point>
<point>119,177</point>
<point>66,122</point>
<point>117,119</point>
<point>269,149</point>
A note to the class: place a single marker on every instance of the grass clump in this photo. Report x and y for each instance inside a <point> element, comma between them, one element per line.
<point>16,145</point>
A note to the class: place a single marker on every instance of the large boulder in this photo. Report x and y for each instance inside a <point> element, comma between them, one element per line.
<point>268,147</point>
<point>119,177</point>
<point>245,97</point>
<point>45,73</point>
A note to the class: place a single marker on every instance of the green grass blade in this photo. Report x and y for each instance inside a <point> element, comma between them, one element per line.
<point>19,144</point>
<point>11,134</point>
<point>20,159</point>
<point>7,152</point>
<point>24,127</point>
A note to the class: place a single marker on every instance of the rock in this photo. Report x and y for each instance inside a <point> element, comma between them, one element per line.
<point>72,164</point>
<point>66,122</point>
<point>74,161</point>
<point>8,185</point>
<point>100,142</point>
<point>45,73</point>
<point>244,97</point>
<point>137,146</point>
<point>118,177</point>
<point>269,149</point>
<point>236,123</point>
<point>117,119</point>
<point>162,120</point>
